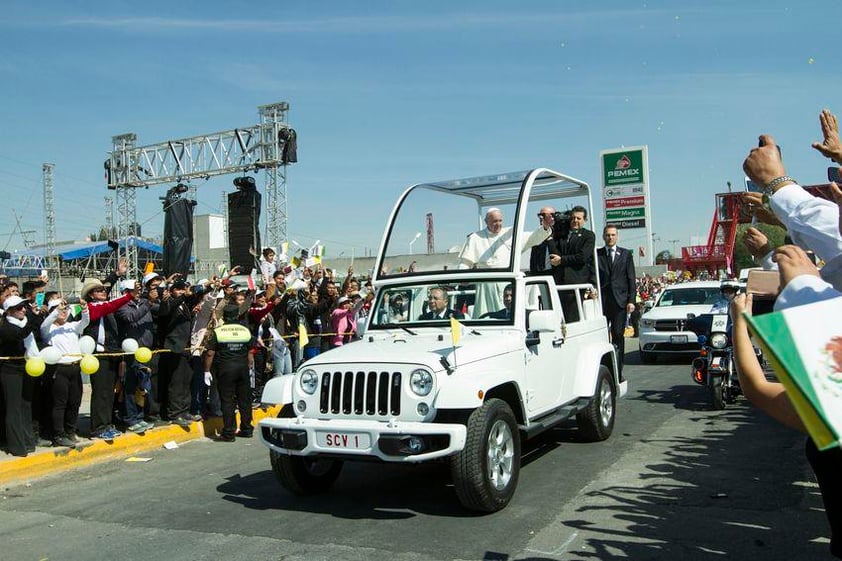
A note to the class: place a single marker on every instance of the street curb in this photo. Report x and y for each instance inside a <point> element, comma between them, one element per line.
<point>55,460</point>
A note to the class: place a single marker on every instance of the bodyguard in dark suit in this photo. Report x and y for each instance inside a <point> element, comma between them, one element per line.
<point>437,301</point>
<point>576,252</point>
<point>616,287</point>
<point>574,260</point>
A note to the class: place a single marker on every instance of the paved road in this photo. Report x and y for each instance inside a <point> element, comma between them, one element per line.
<point>675,482</point>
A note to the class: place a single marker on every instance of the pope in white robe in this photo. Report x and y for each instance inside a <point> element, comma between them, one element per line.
<point>491,248</point>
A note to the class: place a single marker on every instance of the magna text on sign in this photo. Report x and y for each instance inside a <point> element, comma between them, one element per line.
<point>623,213</point>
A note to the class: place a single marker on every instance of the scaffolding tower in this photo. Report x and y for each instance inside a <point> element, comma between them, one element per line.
<point>50,219</point>
<point>242,150</point>
<point>109,218</point>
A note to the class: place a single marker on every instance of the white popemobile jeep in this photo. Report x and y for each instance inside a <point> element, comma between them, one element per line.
<point>407,392</point>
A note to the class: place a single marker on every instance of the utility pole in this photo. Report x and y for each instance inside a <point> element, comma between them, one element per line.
<point>27,241</point>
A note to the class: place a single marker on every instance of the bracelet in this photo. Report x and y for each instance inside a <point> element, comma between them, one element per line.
<point>777,181</point>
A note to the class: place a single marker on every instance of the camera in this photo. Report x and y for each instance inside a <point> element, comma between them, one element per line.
<point>561,226</point>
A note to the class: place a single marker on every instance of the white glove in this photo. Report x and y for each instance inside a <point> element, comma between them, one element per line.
<point>208,378</point>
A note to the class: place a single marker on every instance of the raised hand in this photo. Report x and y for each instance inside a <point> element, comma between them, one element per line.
<point>830,147</point>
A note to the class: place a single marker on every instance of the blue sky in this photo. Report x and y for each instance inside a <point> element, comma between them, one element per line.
<point>386,94</point>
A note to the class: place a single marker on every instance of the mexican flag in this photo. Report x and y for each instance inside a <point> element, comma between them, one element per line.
<point>806,353</point>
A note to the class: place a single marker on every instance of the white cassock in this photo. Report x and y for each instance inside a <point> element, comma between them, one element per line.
<point>484,250</point>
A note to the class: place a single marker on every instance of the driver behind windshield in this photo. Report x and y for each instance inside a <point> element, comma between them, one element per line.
<point>506,312</point>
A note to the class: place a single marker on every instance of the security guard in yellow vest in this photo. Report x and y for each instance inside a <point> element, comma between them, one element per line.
<point>230,344</point>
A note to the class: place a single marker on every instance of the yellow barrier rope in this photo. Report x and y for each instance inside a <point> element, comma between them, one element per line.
<point>188,349</point>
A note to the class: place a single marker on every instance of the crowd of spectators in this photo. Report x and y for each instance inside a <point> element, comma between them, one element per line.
<point>812,224</point>
<point>291,314</point>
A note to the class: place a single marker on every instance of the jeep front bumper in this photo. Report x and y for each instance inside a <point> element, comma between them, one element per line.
<point>392,441</point>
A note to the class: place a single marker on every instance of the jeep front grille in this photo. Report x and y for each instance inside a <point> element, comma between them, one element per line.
<point>360,393</point>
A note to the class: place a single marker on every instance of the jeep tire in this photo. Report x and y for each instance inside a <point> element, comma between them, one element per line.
<point>485,473</point>
<point>304,476</point>
<point>596,421</point>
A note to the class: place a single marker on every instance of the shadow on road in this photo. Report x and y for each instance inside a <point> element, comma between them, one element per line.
<point>724,493</point>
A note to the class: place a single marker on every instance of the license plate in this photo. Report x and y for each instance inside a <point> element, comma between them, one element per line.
<point>344,440</point>
<point>678,339</point>
<point>714,362</point>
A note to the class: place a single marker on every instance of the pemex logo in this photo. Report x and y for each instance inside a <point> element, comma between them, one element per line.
<point>623,163</point>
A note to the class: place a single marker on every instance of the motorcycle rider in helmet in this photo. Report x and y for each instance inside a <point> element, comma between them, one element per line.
<point>727,289</point>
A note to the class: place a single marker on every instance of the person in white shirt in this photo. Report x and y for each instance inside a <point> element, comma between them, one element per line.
<point>491,248</point>
<point>268,265</point>
<point>64,335</point>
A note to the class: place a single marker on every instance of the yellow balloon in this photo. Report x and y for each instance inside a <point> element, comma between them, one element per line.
<point>143,354</point>
<point>35,366</point>
<point>89,364</point>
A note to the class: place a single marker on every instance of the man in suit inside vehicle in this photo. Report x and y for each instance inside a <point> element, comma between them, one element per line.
<point>575,260</point>
<point>616,287</point>
<point>437,306</point>
<point>508,300</point>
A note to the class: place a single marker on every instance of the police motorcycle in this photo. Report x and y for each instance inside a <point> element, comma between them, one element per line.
<point>714,367</point>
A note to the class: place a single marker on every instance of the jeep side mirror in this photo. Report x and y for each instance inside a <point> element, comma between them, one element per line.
<point>532,338</point>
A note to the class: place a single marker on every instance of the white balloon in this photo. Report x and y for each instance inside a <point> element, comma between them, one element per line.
<point>130,345</point>
<point>51,355</point>
<point>87,344</point>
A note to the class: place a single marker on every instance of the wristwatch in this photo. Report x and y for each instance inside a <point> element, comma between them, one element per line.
<point>769,189</point>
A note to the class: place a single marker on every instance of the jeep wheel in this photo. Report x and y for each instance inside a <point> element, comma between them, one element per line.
<point>304,476</point>
<point>486,471</point>
<point>647,357</point>
<point>596,421</point>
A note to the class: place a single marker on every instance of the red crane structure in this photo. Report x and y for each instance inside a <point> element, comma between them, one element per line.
<point>718,254</point>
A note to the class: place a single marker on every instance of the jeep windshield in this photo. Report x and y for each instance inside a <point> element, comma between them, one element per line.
<point>431,303</point>
<point>474,224</point>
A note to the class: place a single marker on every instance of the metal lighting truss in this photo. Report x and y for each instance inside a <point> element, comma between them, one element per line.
<point>50,218</point>
<point>232,151</point>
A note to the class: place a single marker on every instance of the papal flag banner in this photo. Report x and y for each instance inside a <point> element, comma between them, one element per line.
<point>806,355</point>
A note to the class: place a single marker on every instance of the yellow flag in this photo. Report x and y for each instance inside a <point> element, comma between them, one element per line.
<point>150,267</point>
<point>455,330</point>
<point>303,339</point>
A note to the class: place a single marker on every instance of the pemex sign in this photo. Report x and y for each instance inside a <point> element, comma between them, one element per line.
<point>625,188</point>
<point>623,168</point>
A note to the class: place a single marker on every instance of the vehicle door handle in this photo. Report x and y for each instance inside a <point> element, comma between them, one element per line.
<point>558,341</point>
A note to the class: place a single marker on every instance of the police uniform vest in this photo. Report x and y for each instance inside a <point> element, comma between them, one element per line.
<point>233,341</point>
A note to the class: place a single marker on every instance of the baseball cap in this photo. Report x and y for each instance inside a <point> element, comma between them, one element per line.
<point>13,301</point>
<point>150,276</point>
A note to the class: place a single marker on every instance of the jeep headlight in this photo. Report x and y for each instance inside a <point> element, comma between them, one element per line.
<point>647,322</point>
<point>309,381</point>
<point>719,341</point>
<point>421,382</point>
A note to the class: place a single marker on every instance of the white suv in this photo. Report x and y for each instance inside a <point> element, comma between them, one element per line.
<point>664,328</point>
<point>417,389</point>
